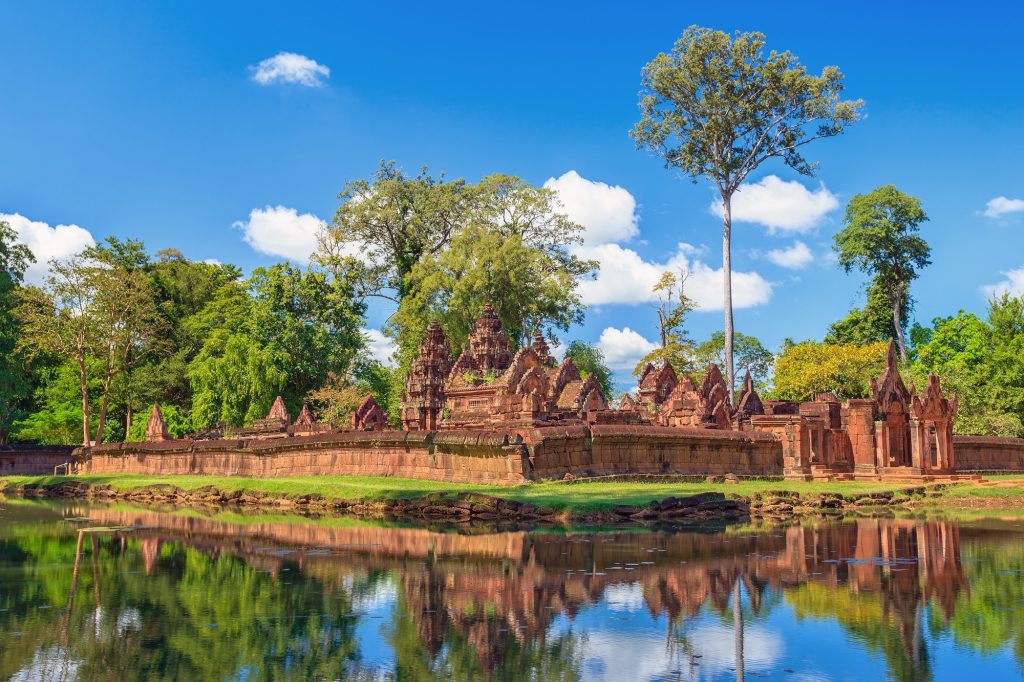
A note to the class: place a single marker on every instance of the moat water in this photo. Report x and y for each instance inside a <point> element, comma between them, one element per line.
<point>122,593</point>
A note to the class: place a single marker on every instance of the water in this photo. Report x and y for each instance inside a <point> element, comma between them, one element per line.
<point>119,593</point>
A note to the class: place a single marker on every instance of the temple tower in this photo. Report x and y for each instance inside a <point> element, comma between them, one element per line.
<point>424,386</point>
<point>931,429</point>
<point>156,430</point>
<point>489,345</point>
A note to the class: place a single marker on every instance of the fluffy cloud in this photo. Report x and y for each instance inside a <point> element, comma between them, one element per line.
<point>47,242</point>
<point>1013,285</point>
<point>288,67</point>
<point>625,277</point>
<point>1000,206</point>
<point>281,231</point>
<point>607,212</point>
<point>795,257</point>
<point>381,347</point>
<point>623,348</point>
<point>786,207</point>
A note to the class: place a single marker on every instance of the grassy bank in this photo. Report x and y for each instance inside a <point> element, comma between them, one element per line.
<point>582,496</point>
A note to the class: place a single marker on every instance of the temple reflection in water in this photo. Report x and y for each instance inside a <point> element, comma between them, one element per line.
<point>358,601</point>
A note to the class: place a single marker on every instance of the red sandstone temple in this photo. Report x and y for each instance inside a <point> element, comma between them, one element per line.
<point>502,416</point>
<point>488,385</point>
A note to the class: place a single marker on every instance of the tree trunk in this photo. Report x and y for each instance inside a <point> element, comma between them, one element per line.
<point>727,284</point>
<point>897,322</point>
<point>102,425</point>
<point>737,625</point>
<point>82,377</point>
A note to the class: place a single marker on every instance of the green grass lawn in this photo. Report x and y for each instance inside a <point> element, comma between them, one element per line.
<point>574,496</point>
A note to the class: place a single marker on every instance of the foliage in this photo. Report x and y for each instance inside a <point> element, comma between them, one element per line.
<point>392,221</point>
<point>514,254</point>
<point>980,361</point>
<point>881,238</point>
<point>590,360</point>
<point>677,348</point>
<point>97,305</point>
<point>57,417</point>
<point>805,369</point>
<point>718,107</point>
<point>750,356</point>
<point>15,258</point>
<point>280,333</point>
<point>124,309</point>
<point>871,324</point>
<point>336,401</point>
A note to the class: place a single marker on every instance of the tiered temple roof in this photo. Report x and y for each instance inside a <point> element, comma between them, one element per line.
<point>423,399</point>
<point>488,384</point>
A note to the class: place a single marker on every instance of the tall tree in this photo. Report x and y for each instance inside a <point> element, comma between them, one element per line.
<point>391,222</point>
<point>282,332</point>
<point>183,288</point>
<point>513,252</point>
<point>125,311</point>
<point>57,318</point>
<point>95,306</point>
<point>676,347</point>
<point>15,258</point>
<point>871,324</point>
<point>718,107</point>
<point>881,238</point>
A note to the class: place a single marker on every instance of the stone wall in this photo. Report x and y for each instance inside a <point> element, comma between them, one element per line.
<point>465,457</point>
<point>32,460</point>
<point>637,449</point>
<point>988,453</point>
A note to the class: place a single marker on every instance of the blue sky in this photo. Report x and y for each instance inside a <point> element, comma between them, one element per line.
<point>149,120</point>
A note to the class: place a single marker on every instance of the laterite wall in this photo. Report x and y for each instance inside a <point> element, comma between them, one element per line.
<point>463,456</point>
<point>626,449</point>
<point>31,460</point>
<point>988,453</point>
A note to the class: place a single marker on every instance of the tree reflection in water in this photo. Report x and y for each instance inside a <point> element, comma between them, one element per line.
<point>183,596</point>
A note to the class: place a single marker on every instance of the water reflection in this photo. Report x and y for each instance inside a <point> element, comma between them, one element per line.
<point>109,593</point>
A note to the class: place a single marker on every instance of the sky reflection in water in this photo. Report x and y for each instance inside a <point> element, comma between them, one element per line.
<point>92,593</point>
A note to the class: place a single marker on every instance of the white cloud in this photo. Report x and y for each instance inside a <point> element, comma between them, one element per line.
<point>281,231</point>
<point>1013,285</point>
<point>288,67</point>
<point>795,257</point>
<point>607,212</point>
<point>779,205</point>
<point>623,348</point>
<point>625,277</point>
<point>47,243</point>
<point>1000,206</point>
<point>381,348</point>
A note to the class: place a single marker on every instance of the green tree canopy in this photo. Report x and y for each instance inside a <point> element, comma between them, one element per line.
<point>590,360</point>
<point>719,106</point>
<point>392,221</point>
<point>880,237</point>
<point>15,258</point>
<point>982,362</point>
<point>280,333</point>
<point>871,324</point>
<point>805,369</point>
<point>751,356</point>
<point>514,254</point>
